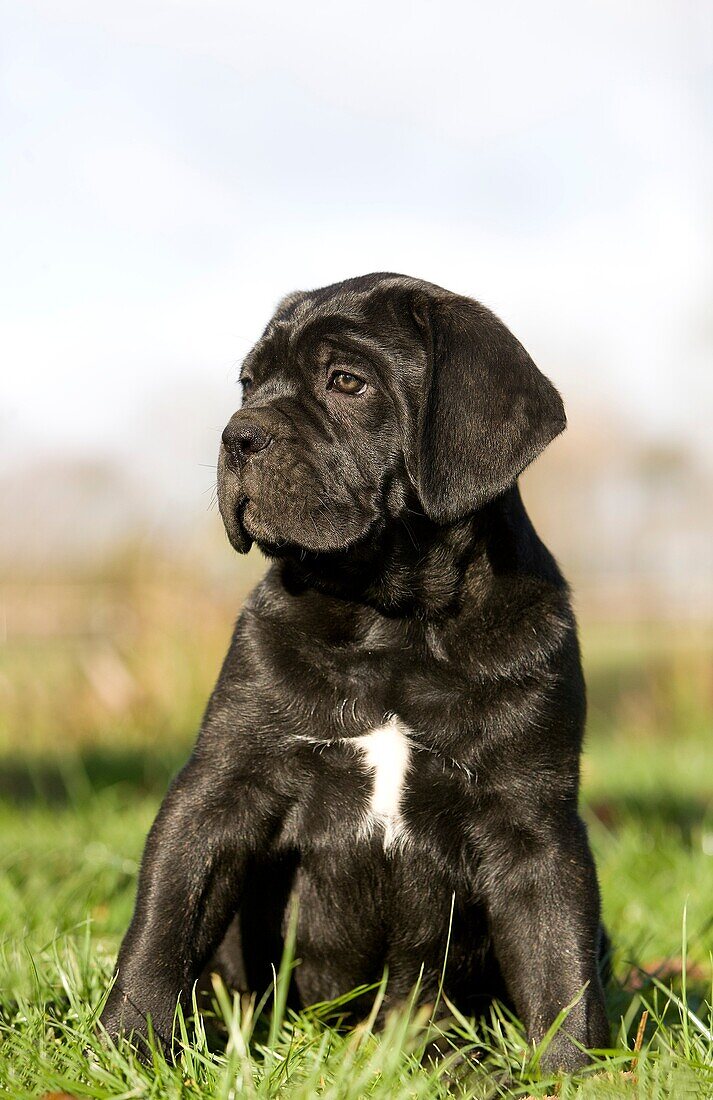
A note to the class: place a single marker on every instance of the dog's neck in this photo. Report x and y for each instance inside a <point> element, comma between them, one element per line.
<point>414,568</point>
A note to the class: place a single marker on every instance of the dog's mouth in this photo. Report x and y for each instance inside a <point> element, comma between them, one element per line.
<point>251,528</point>
<point>240,513</point>
<point>275,543</point>
<point>284,518</point>
<point>247,517</point>
<point>240,536</point>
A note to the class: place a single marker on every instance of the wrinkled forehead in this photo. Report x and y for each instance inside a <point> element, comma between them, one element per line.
<point>305,308</point>
<point>366,319</point>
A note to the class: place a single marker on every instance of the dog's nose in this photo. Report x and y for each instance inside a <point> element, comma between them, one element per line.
<point>243,437</point>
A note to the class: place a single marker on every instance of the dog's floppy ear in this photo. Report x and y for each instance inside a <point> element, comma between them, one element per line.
<point>486,411</point>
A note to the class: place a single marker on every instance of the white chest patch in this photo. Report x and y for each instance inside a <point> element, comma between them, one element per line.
<point>386,752</point>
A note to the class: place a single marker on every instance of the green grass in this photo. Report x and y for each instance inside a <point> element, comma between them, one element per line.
<point>74,817</point>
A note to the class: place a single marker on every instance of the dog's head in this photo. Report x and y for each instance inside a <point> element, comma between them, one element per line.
<point>370,399</point>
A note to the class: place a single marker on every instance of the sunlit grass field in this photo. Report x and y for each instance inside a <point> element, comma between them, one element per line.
<point>101,689</point>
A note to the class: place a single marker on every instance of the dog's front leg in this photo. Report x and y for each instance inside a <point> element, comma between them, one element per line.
<point>543,903</point>
<point>188,891</point>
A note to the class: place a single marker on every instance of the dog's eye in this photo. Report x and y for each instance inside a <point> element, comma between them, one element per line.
<point>247,384</point>
<point>343,382</point>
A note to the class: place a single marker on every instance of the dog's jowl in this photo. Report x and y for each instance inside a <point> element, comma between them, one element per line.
<point>393,742</point>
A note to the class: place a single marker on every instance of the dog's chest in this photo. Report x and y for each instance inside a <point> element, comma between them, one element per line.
<point>383,786</point>
<point>386,754</point>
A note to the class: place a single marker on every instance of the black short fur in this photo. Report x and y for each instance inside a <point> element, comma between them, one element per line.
<point>408,585</point>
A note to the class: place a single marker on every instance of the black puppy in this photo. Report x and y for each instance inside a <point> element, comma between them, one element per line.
<point>399,718</point>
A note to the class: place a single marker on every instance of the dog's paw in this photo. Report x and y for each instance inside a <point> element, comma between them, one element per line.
<point>563,1056</point>
<point>123,1019</point>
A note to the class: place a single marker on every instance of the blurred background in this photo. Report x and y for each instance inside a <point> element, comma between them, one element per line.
<point>170,170</point>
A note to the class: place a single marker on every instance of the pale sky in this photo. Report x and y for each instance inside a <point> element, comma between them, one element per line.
<point>169,170</point>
